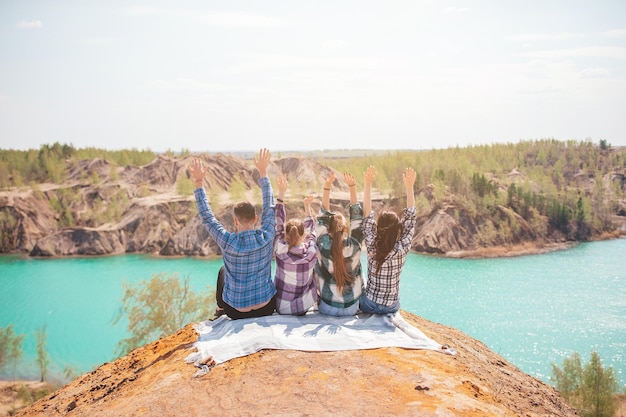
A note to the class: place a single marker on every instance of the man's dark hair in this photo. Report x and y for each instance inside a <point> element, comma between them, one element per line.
<point>244,212</point>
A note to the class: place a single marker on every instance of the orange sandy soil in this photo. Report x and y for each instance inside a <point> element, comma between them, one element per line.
<point>155,381</point>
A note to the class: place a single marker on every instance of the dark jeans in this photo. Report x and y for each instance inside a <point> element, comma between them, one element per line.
<point>233,313</point>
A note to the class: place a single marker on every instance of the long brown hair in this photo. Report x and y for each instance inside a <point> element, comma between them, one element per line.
<point>387,231</point>
<point>337,230</point>
<point>294,230</point>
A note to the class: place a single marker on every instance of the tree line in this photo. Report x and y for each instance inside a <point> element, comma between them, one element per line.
<point>569,187</point>
<point>50,163</point>
<point>577,185</point>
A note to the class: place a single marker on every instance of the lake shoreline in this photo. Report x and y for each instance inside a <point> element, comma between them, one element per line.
<point>526,248</point>
<point>502,251</point>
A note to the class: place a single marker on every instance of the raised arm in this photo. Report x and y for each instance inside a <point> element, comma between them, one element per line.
<point>282,184</point>
<point>307,206</point>
<point>408,177</point>
<point>349,179</point>
<point>262,161</point>
<point>279,210</point>
<point>368,179</point>
<point>328,182</point>
<point>198,171</point>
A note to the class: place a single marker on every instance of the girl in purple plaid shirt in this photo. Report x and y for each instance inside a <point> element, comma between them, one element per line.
<point>296,253</point>
<point>388,241</point>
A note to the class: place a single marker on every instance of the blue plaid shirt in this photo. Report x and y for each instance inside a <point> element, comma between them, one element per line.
<point>247,255</point>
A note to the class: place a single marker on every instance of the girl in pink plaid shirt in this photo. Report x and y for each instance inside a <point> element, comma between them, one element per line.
<point>296,253</point>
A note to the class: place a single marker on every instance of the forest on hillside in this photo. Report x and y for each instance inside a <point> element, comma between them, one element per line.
<point>467,198</point>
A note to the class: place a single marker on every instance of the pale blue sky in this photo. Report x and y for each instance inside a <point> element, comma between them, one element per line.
<point>295,75</point>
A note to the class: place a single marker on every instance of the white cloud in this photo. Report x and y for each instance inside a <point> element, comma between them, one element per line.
<point>98,41</point>
<point>183,84</point>
<point>282,62</point>
<point>616,33</point>
<point>224,19</point>
<point>30,24</point>
<point>455,10</point>
<point>593,52</point>
<point>335,44</point>
<point>537,37</point>
<point>542,90</point>
<point>594,73</point>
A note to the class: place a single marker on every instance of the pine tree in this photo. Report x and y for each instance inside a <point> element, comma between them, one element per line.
<point>43,360</point>
<point>589,389</point>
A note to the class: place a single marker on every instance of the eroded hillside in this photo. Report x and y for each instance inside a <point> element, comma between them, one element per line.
<point>103,208</point>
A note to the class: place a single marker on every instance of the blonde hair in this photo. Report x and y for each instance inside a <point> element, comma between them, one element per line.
<point>294,230</point>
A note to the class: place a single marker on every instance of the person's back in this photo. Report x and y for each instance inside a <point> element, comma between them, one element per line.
<point>296,254</point>
<point>340,282</point>
<point>388,242</point>
<point>245,287</point>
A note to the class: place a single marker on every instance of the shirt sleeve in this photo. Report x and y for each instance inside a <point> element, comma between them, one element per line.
<point>323,222</point>
<point>309,231</point>
<point>280,216</point>
<point>267,216</point>
<point>215,228</point>
<point>356,221</point>
<point>408,228</point>
<point>369,232</point>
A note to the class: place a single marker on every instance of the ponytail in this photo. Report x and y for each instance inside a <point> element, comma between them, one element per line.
<point>336,231</point>
<point>294,230</point>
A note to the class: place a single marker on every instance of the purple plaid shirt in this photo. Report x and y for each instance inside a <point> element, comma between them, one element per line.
<point>295,268</point>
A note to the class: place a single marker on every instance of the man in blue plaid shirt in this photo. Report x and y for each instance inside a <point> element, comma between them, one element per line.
<point>244,287</point>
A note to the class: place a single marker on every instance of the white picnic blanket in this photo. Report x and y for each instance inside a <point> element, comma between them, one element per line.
<point>224,339</point>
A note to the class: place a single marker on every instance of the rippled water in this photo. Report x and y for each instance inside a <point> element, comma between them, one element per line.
<point>533,310</point>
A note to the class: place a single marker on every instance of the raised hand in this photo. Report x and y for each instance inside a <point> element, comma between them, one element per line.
<point>262,161</point>
<point>368,178</point>
<point>370,175</point>
<point>328,182</point>
<point>307,205</point>
<point>349,179</point>
<point>197,170</point>
<point>282,184</point>
<point>408,177</point>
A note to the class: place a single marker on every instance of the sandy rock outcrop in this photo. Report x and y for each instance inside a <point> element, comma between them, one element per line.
<point>155,381</point>
<point>192,240</point>
<point>309,173</point>
<point>80,241</point>
<point>87,169</point>
<point>28,221</point>
<point>442,233</point>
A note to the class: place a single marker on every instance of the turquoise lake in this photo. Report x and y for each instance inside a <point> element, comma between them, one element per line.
<point>533,310</point>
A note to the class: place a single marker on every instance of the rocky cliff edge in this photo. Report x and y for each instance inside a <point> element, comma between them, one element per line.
<point>155,381</point>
